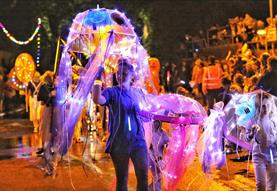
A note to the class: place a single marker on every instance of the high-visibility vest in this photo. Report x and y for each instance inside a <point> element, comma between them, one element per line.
<point>212,77</point>
<point>197,74</point>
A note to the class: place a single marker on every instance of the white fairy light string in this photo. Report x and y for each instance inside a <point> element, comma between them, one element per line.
<point>12,38</point>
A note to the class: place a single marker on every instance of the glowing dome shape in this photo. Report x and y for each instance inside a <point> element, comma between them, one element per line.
<point>92,27</point>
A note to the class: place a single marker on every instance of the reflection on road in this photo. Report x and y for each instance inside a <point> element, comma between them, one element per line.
<point>19,147</point>
<point>26,146</point>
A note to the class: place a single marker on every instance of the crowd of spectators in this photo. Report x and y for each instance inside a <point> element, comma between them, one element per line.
<point>237,30</point>
<point>242,72</point>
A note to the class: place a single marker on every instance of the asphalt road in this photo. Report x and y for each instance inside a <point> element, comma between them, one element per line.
<point>88,168</point>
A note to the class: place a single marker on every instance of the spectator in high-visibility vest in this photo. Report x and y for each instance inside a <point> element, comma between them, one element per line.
<point>196,79</point>
<point>211,82</point>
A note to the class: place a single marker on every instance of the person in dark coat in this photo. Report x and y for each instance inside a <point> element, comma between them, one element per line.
<point>269,81</point>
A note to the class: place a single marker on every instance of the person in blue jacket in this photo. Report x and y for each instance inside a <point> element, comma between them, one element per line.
<point>126,133</point>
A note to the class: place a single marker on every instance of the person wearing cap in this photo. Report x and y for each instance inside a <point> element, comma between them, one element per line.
<point>126,133</point>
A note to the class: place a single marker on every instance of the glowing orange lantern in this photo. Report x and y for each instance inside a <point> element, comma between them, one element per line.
<point>14,82</point>
<point>154,65</point>
<point>24,67</point>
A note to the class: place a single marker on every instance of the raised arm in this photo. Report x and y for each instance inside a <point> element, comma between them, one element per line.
<point>97,88</point>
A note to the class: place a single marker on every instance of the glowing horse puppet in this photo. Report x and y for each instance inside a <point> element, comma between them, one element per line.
<point>231,123</point>
<point>104,36</point>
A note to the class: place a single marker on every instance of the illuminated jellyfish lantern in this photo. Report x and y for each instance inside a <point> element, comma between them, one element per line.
<point>239,113</point>
<point>210,143</point>
<point>110,35</point>
<point>185,116</point>
<point>184,136</point>
<point>230,122</point>
<point>103,36</point>
<point>109,30</point>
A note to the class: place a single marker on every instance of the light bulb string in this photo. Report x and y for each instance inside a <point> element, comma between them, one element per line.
<point>12,38</point>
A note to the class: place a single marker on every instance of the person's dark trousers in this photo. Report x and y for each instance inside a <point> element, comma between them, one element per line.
<point>202,94</point>
<point>139,158</point>
<point>213,94</point>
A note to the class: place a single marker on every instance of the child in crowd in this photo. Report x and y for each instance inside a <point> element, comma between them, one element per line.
<point>159,142</point>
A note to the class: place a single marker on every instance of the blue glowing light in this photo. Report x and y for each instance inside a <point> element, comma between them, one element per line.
<point>97,18</point>
<point>245,111</point>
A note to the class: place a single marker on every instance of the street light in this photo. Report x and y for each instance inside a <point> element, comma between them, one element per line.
<point>271,10</point>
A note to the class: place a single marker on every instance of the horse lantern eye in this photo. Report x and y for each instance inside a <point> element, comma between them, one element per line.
<point>247,110</point>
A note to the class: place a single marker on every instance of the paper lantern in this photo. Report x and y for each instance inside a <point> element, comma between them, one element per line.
<point>24,67</point>
<point>154,65</point>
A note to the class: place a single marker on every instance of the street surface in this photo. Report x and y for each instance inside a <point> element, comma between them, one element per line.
<point>92,169</point>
